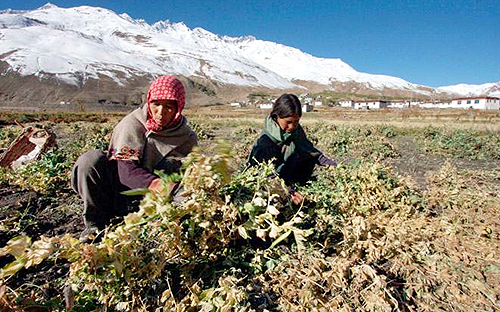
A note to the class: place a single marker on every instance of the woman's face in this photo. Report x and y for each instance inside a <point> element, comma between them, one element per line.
<point>288,124</point>
<point>163,111</point>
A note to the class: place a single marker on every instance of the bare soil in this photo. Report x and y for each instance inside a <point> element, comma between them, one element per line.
<point>35,215</point>
<point>417,164</point>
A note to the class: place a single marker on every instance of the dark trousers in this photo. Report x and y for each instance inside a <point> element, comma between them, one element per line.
<point>95,179</point>
<point>298,169</point>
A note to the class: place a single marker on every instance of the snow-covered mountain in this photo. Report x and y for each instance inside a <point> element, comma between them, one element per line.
<point>491,89</point>
<point>76,45</point>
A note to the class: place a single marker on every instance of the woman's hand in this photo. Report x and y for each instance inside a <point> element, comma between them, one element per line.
<point>156,186</point>
<point>296,197</point>
<point>325,161</point>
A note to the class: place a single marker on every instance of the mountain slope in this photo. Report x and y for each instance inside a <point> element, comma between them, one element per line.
<point>86,48</point>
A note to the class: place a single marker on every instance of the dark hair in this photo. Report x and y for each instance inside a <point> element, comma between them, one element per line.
<point>285,106</point>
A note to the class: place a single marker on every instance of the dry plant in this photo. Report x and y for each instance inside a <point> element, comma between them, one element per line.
<point>365,239</point>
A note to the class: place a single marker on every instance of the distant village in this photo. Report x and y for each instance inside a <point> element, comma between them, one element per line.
<point>481,102</point>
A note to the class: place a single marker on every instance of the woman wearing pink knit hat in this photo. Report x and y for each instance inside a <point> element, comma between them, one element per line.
<point>154,137</point>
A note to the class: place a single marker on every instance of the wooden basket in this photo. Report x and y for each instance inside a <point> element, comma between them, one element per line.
<point>28,146</point>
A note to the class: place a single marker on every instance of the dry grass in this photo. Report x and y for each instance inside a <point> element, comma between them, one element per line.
<point>415,118</point>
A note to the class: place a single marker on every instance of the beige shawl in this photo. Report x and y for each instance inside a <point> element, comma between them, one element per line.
<point>132,141</point>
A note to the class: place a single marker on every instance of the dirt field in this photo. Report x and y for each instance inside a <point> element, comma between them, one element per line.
<point>55,211</point>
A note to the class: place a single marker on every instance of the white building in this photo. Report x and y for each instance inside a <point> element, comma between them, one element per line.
<point>305,98</point>
<point>398,104</point>
<point>266,106</point>
<point>444,105</point>
<point>346,103</point>
<point>318,103</point>
<point>484,102</point>
<point>307,108</point>
<point>371,105</point>
<point>428,105</point>
<point>237,104</point>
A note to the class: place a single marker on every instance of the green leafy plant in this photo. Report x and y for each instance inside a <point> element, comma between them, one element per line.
<point>461,143</point>
<point>46,175</point>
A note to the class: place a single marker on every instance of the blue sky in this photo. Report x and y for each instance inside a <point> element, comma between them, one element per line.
<point>429,42</point>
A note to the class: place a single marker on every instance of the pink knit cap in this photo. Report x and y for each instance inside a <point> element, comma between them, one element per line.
<point>166,88</point>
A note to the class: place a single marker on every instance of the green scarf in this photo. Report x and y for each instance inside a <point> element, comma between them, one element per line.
<point>289,142</point>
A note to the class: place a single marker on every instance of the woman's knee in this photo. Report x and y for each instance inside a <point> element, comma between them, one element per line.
<point>92,159</point>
